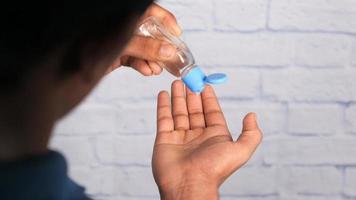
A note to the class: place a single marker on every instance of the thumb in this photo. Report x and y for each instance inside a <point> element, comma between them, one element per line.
<point>249,139</point>
<point>147,48</point>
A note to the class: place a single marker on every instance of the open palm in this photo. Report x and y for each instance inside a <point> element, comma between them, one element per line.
<point>193,144</point>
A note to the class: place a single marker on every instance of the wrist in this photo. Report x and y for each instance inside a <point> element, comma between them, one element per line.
<point>196,191</point>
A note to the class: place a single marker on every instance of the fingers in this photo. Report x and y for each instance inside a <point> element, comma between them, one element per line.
<point>141,66</point>
<point>250,123</point>
<point>155,67</point>
<point>164,114</point>
<point>212,111</point>
<point>165,17</point>
<point>146,68</point>
<point>195,110</point>
<point>147,48</point>
<point>152,50</point>
<point>118,62</point>
<point>180,112</point>
<point>148,51</point>
<point>250,137</point>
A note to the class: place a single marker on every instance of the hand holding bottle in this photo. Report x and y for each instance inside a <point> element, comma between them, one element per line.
<point>156,45</point>
<point>181,63</point>
<point>142,53</point>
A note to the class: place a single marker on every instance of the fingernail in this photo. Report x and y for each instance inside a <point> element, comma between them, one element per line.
<point>166,51</point>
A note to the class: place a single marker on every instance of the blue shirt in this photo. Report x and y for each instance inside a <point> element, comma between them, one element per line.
<point>42,177</point>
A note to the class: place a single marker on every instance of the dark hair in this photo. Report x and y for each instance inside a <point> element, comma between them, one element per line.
<point>30,30</point>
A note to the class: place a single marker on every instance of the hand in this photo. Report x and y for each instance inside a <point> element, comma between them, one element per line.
<point>194,152</point>
<point>142,53</point>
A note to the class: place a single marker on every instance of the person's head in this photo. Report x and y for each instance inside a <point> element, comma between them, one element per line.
<point>59,45</point>
<point>53,53</point>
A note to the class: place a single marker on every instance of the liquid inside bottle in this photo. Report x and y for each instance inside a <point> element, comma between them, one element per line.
<point>182,64</point>
<point>183,59</point>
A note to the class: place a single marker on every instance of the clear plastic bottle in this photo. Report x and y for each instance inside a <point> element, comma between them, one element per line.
<point>182,64</point>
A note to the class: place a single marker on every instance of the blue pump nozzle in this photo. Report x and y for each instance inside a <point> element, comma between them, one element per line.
<point>195,79</point>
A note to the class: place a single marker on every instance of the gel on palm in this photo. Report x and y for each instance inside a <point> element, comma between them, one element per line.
<point>182,64</point>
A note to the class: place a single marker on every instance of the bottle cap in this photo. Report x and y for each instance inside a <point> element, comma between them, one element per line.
<point>216,78</point>
<point>195,79</point>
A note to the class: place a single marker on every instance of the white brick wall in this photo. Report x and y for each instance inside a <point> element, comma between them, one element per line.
<point>310,85</point>
<point>350,118</point>
<point>353,54</point>
<point>314,119</point>
<point>255,49</point>
<point>244,15</point>
<point>325,181</point>
<point>315,15</point>
<point>125,150</point>
<point>350,181</point>
<point>293,62</point>
<point>310,151</point>
<point>322,51</point>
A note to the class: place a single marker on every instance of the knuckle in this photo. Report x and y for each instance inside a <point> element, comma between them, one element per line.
<point>195,111</point>
<point>259,136</point>
<point>170,16</point>
<point>180,114</point>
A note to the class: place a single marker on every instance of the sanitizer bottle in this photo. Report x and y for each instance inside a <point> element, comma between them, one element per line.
<point>182,64</point>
